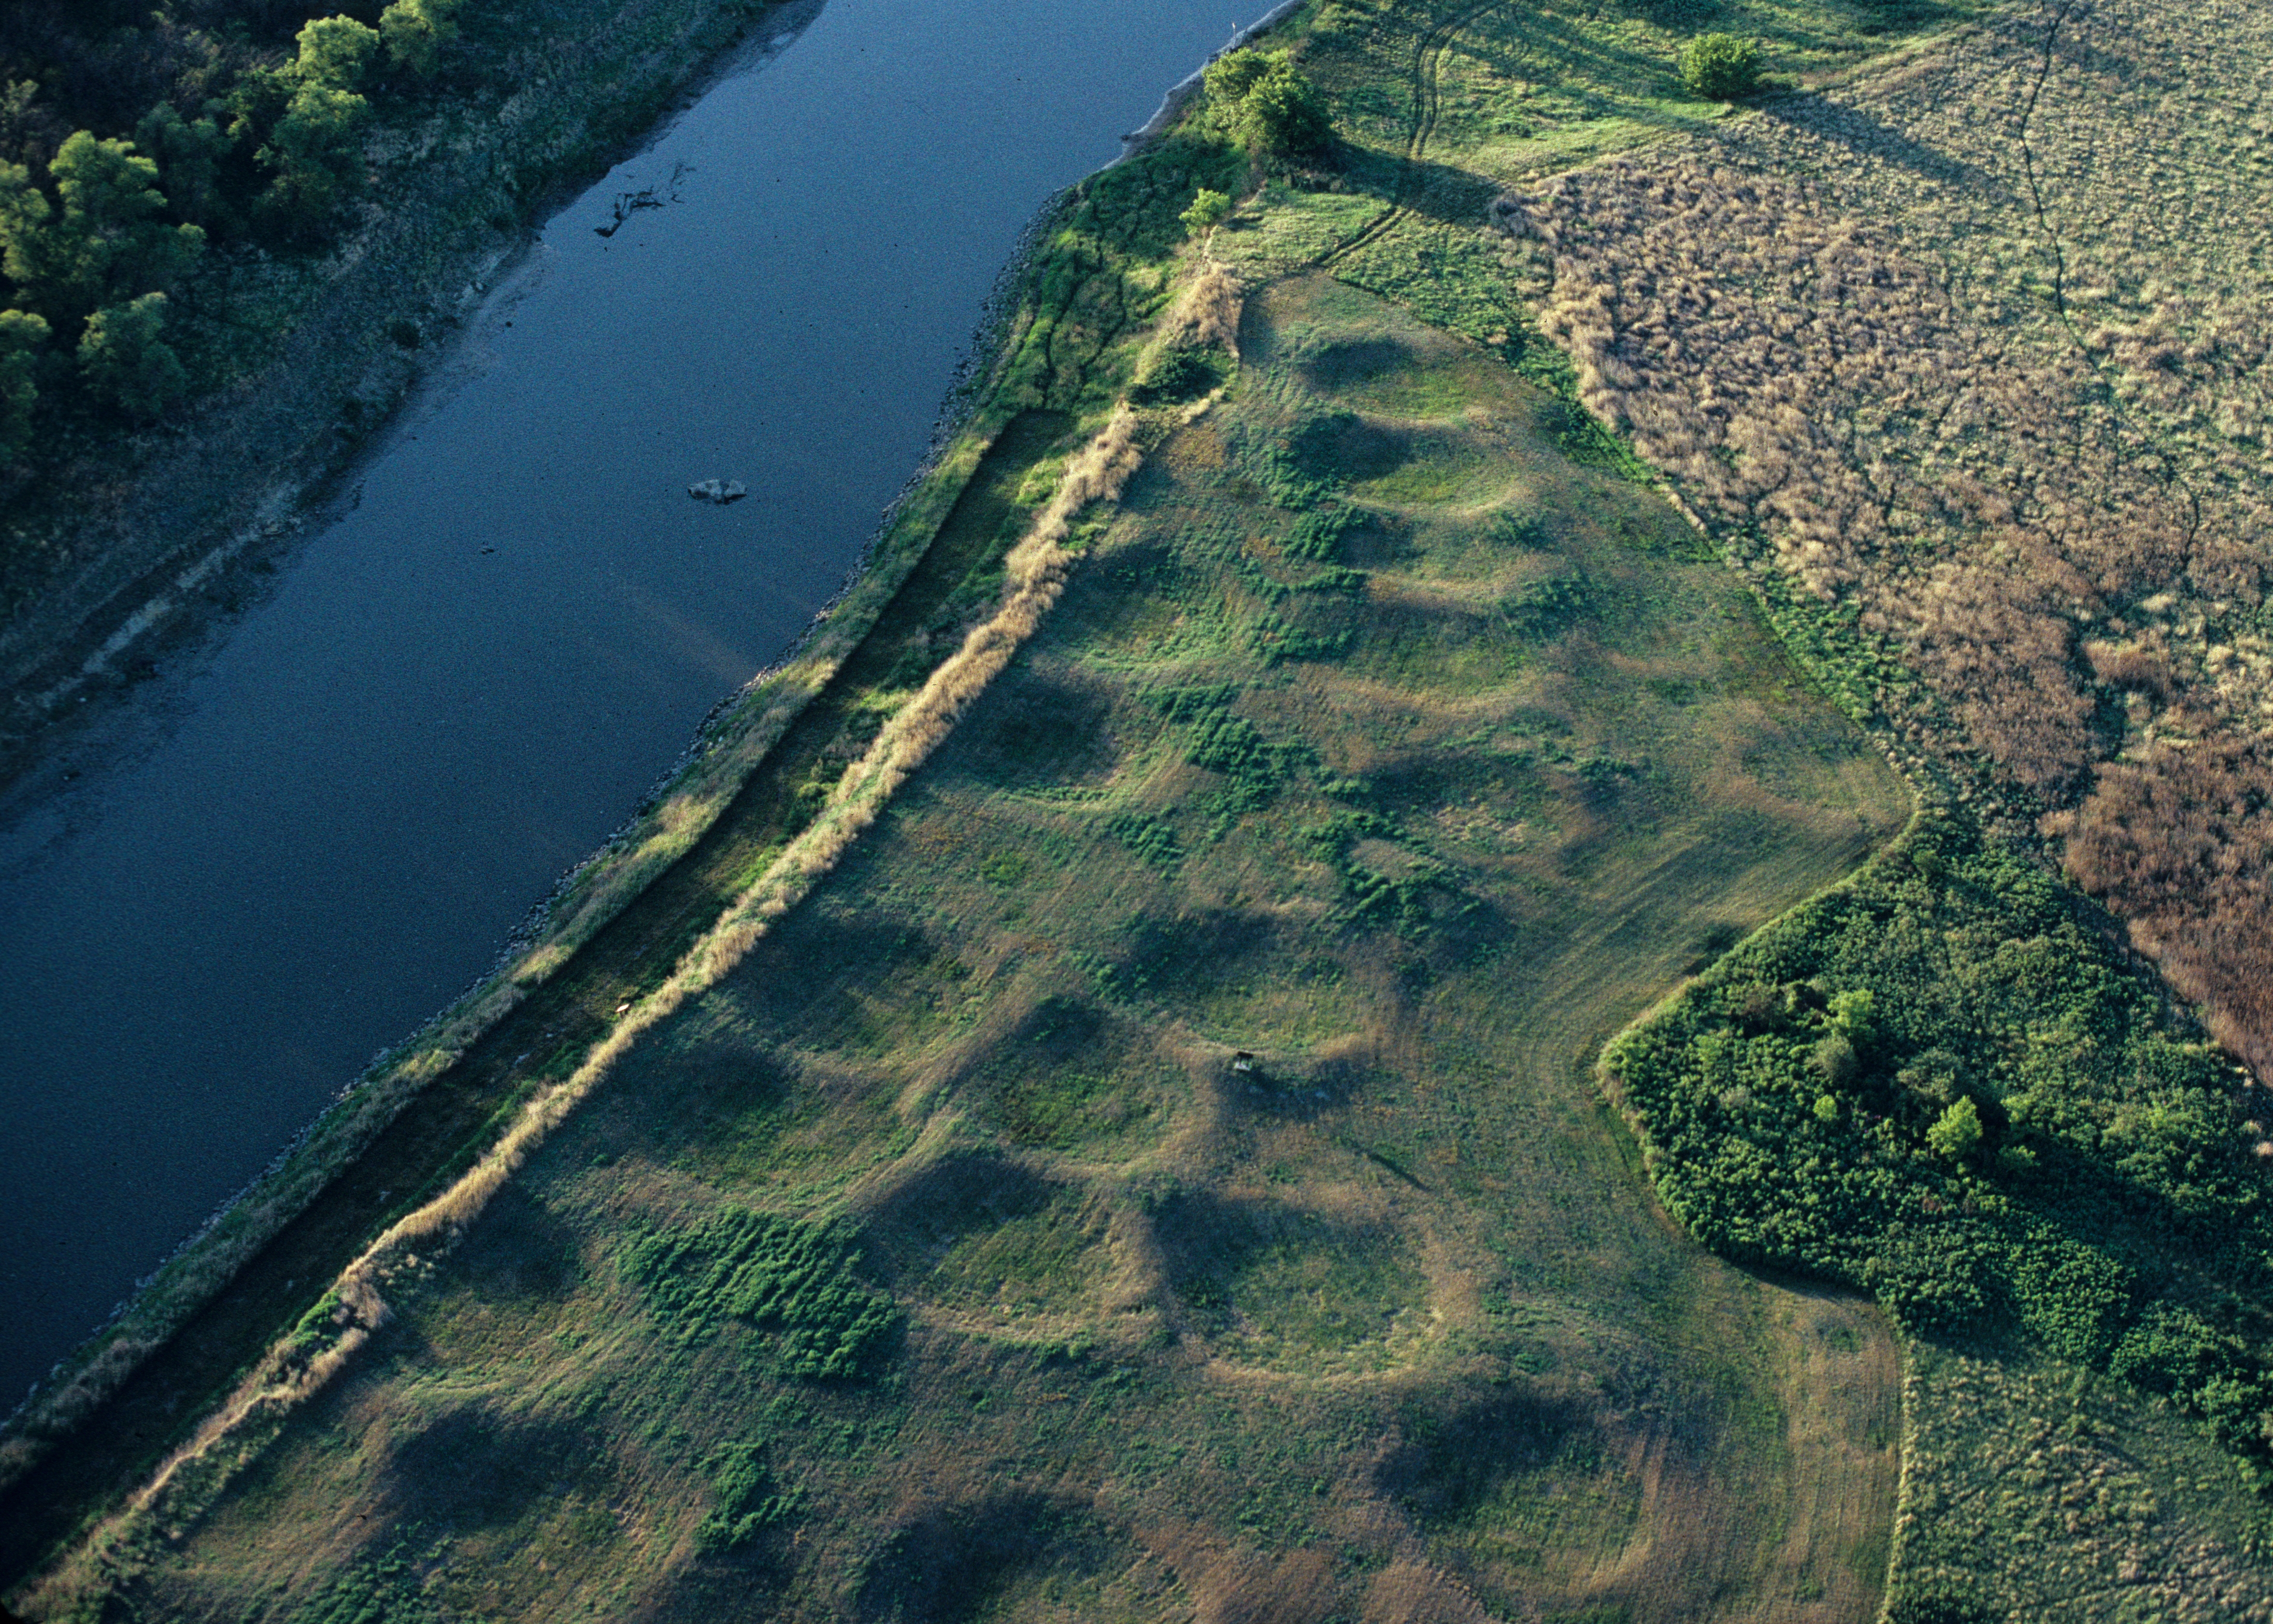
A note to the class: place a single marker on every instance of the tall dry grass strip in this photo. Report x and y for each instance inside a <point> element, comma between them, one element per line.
<point>1036,574</point>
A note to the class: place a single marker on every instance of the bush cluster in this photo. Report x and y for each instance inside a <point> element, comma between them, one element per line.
<point>745,1498</point>
<point>99,231</point>
<point>796,1280</point>
<point>1721,67</point>
<point>1937,1085</point>
<point>1267,104</point>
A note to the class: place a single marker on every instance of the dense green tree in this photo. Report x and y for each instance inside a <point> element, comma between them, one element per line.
<point>1266,103</point>
<point>1282,115</point>
<point>335,52</point>
<point>416,31</point>
<point>24,211</point>
<point>21,336</point>
<point>109,242</point>
<point>126,362</point>
<point>1956,1132</point>
<point>189,154</point>
<point>1232,75</point>
<point>1853,1014</point>
<point>315,153</point>
<point>106,242</point>
<point>1721,67</point>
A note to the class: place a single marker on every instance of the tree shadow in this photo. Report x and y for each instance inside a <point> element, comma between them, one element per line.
<point>1869,136</point>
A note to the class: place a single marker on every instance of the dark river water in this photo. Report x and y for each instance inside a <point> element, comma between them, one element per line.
<point>306,838</point>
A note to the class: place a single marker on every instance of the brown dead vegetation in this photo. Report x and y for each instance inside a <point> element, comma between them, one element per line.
<point>1980,345</point>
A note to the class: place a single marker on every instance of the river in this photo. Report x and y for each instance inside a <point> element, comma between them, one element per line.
<point>297,842</point>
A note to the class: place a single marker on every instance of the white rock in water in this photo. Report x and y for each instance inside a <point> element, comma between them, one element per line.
<point>718,491</point>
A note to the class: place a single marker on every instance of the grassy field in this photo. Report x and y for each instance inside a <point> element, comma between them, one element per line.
<point>1374,738</point>
<point>1157,1172</point>
<point>2042,1492</point>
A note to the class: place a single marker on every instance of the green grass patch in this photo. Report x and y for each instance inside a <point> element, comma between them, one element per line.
<point>796,1281</point>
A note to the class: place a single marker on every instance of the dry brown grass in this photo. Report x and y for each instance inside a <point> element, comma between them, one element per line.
<point>1977,342</point>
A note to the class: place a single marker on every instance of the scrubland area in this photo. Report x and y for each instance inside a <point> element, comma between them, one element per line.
<point>1977,345</point>
<point>1163,1124</point>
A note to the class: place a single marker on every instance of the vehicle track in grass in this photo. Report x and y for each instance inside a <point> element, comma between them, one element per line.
<point>1427,103</point>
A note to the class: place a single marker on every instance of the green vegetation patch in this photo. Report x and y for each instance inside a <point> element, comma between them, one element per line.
<point>746,1499</point>
<point>797,1280</point>
<point>383,1590</point>
<point>1940,1085</point>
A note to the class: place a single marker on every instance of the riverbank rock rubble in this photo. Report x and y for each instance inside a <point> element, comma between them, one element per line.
<point>718,491</point>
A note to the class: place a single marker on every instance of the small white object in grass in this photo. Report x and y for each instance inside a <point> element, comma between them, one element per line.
<point>718,491</point>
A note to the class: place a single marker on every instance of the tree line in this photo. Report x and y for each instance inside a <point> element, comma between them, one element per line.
<point>100,228</point>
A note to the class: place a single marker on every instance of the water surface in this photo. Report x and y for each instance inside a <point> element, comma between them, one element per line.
<point>317,830</point>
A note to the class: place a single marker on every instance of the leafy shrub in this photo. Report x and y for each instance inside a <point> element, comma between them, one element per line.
<point>1222,741</point>
<point>795,1279</point>
<point>1821,1099</point>
<point>1150,837</point>
<point>1721,67</point>
<point>1178,374</point>
<point>1540,610</point>
<point>1936,1602</point>
<point>1527,532</point>
<point>124,361</point>
<point>1317,534</point>
<point>381,1590</point>
<point>1276,639</point>
<point>745,1501</point>
<point>1208,210</point>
